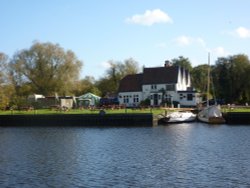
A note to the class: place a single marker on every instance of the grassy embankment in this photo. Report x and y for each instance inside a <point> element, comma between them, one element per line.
<point>226,109</point>
<point>155,111</point>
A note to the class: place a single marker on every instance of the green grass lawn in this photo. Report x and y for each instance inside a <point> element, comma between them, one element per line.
<point>155,111</point>
<point>237,109</point>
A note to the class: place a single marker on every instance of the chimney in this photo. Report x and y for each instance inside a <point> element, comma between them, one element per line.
<point>167,63</point>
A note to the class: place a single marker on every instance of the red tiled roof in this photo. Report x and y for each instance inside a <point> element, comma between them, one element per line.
<point>131,83</point>
<point>160,75</point>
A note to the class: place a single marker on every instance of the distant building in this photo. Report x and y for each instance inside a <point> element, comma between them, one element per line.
<point>88,100</point>
<point>40,101</point>
<point>35,97</point>
<point>168,84</point>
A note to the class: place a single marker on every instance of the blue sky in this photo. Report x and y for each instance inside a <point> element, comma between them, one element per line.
<point>149,31</point>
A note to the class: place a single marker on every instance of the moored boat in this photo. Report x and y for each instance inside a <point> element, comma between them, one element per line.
<point>179,117</point>
<point>211,115</point>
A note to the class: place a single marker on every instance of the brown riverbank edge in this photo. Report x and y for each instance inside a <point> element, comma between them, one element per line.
<point>96,120</point>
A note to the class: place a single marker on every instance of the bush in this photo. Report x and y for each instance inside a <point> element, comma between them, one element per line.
<point>146,102</point>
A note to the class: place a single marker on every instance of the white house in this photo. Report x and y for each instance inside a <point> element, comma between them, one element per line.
<point>158,84</point>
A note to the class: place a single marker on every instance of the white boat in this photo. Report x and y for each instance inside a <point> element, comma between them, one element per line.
<point>210,114</point>
<point>179,117</point>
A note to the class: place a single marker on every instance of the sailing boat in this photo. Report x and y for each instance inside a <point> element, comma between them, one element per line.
<point>210,114</point>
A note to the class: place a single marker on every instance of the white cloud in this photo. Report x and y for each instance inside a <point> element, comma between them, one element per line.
<point>242,32</point>
<point>150,17</point>
<point>105,64</point>
<point>183,40</point>
<point>220,51</point>
<point>186,41</point>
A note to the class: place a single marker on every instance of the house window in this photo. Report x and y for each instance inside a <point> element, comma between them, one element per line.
<point>125,99</point>
<point>153,87</point>
<point>136,98</point>
<point>170,87</point>
<point>189,97</point>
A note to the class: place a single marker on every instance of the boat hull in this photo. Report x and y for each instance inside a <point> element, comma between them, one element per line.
<point>179,117</point>
<point>212,120</point>
<point>211,115</point>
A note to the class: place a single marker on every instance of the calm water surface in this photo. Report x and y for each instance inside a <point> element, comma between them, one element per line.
<point>184,155</point>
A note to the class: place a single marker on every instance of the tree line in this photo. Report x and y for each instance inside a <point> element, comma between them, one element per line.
<point>47,68</point>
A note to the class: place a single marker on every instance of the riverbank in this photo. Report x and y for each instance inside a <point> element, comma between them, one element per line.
<point>103,120</point>
<point>99,120</point>
<point>233,118</point>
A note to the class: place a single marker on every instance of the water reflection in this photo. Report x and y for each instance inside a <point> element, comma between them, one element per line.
<point>177,155</point>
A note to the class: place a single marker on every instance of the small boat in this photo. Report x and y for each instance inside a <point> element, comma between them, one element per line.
<point>211,114</point>
<point>178,117</point>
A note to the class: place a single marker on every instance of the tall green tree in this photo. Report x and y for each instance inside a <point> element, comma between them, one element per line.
<point>47,67</point>
<point>6,90</point>
<point>199,77</point>
<point>183,62</point>
<point>222,78</point>
<point>85,85</point>
<point>231,75</point>
<point>110,82</point>
<point>3,67</point>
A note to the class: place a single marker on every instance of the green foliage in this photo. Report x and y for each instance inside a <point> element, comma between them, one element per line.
<point>199,77</point>
<point>182,62</point>
<point>47,67</point>
<point>110,82</point>
<point>3,68</point>
<point>231,76</point>
<point>6,89</point>
<point>88,84</point>
<point>146,102</point>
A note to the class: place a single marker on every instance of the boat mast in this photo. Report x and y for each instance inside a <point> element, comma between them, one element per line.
<point>208,79</point>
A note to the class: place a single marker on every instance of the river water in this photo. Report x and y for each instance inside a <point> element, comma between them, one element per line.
<point>183,155</point>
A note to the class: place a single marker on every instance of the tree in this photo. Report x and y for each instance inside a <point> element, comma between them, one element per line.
<point>110,82</point>
<point>3,67</point>
<point>47,67</point>
<point>232,75</point>
<point>183,62</point>
<point>222,78</point>
<point>86,85</point>
<point>6,89</point>
<point>105,86</point>
<point>199,77</point>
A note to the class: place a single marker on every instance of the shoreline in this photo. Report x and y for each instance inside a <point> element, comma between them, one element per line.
<point>103,120</point>
<point>84,120</point>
